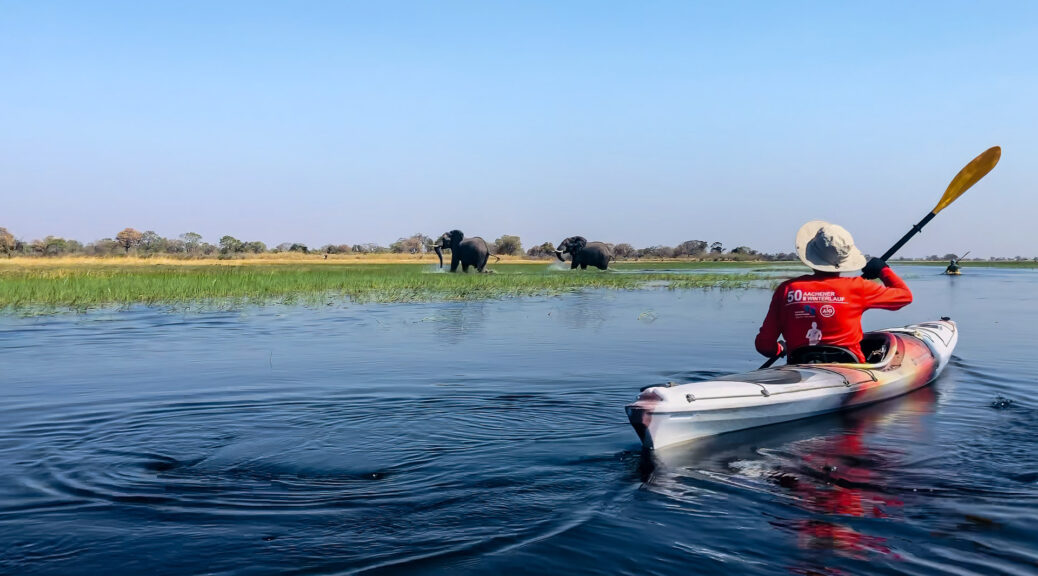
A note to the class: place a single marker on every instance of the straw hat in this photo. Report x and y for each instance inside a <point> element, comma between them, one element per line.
<point>828,248</point>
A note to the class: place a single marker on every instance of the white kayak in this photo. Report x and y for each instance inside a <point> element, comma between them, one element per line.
<point>909,358</point>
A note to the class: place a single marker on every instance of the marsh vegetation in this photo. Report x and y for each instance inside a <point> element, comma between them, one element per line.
<point>88,283</point>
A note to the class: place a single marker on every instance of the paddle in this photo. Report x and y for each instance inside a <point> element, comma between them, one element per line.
<point>967,177</point>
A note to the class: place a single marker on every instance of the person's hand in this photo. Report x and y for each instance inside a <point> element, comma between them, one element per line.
<point>873,268</point>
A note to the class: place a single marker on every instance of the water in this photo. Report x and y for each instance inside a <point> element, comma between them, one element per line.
<point>490,437</point>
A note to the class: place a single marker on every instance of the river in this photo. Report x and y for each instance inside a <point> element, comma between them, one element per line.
<point>490,437</point>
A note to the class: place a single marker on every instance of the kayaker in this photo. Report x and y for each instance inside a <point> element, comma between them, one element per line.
<point>952,268</point>
<point>825,307</point>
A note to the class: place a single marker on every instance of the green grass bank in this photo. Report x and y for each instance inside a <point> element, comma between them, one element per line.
<point>82,287</point>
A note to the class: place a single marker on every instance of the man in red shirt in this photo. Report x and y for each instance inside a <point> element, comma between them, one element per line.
<point>824,308</point>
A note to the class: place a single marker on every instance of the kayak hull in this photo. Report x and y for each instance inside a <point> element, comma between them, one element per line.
<point>676,413</point>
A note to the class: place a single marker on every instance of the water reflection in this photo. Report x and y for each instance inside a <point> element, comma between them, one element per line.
<point>584,311</point>
<point>831,475</point>
<point>457,321</point>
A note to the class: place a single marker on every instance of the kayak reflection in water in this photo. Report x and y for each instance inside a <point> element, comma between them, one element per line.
<point>842,477</point>
<point>827,303</point>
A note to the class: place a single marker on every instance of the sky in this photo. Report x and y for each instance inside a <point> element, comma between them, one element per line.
<point>649,123</point>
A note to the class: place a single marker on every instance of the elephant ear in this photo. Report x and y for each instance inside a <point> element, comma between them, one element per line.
<point>456,237</point>
<point>578,243</point>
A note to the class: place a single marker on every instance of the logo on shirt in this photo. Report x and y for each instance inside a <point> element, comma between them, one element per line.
<point>814,335</point>
<point>807,311</point>
<point>827,311</point>
<point>812,296</point>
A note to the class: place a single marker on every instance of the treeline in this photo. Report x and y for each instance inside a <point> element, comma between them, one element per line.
<point>130,241</point>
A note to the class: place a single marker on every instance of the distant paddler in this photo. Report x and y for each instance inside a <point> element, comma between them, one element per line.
<point>953,265</point>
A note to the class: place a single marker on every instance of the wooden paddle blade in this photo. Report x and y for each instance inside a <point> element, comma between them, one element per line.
<point>969,175</point>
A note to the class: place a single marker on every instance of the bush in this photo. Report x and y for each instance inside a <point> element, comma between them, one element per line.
<point>509,245</point>
<point>546,250</point>
<point>624,251</point>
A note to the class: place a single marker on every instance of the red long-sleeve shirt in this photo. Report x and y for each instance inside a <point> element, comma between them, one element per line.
<point>822,309</point>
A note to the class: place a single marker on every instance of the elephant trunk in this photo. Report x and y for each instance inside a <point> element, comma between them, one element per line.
<point>439,254</point>
<point>558,254</point>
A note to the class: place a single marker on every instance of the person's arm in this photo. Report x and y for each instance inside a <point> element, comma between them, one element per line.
<point>892,295</point>
<point>767,338</point>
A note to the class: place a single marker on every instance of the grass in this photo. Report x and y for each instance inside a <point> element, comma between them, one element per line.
<point>36,285</point>
<point>81,284</point>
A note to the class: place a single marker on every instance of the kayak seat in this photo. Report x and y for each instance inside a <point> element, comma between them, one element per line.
<point>822,355</point>
<point>875,346</point>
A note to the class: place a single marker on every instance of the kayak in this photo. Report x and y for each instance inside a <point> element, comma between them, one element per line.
<point>952,272</point>
<point>906,359</point>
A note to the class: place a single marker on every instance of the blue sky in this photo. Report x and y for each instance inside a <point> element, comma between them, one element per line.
<point>640,122</point>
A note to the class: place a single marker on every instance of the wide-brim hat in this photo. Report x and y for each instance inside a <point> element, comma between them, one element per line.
<point>828,248</point>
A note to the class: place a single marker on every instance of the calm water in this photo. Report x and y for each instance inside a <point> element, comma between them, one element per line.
<point>490,437</point>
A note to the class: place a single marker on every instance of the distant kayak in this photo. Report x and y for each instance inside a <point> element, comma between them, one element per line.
<point>911,357</point>
<point>953,272</point>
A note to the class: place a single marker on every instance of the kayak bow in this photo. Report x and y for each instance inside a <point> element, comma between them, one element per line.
<point>912,357</point>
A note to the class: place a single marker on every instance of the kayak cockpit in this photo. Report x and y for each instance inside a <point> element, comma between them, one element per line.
<point>878,348</point>
<point>822,354</point>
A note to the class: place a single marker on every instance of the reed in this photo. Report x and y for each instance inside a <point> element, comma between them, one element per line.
<point>84,286</point>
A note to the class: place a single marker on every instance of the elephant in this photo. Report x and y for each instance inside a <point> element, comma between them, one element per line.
<point>584,253</point>
<point>465,251</point>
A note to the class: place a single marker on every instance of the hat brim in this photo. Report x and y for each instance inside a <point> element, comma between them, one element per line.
<point>855,259</point>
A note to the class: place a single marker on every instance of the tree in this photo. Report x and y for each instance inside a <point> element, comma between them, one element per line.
<point>192,241</point>
<point>128,238</point>
<point>690,248</point>
<point>102,247</point>
<point>299,248</point>
<point>717,248</point>
<point>369,248</point>
<point>624,250</point>
<point>230,245</point>
<point>336,248</point>
<point>254,247</point>
<point>54,246</point>
<point>413,244</point>
<point>508,245</point>
<point>175,245</point>
<point>152,242</point>
<point>744,250</point>
<point>656,252</point>
<point>7,242</point>
<point>546,250</point>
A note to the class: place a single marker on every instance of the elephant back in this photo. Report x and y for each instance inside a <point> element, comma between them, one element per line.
<point>601,247</point>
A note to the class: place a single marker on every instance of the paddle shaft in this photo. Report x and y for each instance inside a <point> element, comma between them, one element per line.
<point>904,239</point>
<point>771,361</point>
